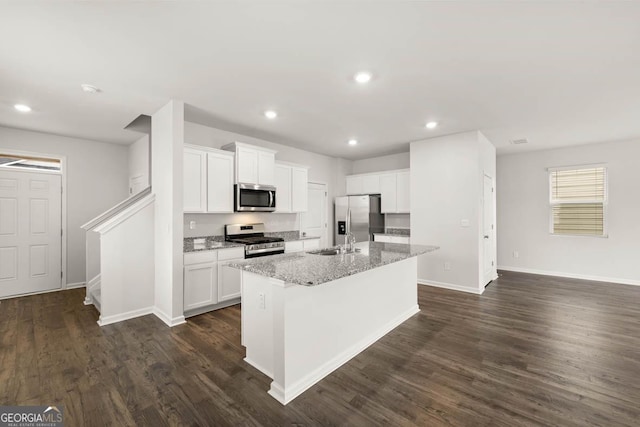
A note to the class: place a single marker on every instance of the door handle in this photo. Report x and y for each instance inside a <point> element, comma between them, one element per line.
<point>486,236</point>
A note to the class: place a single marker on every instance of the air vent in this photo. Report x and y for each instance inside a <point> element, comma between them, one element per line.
<point>519,141</point>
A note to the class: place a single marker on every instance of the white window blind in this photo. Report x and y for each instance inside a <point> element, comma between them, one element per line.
<point>578,198</point>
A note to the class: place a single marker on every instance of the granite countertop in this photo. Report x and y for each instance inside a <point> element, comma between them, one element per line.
<point>307,269</point>
<point>210,243</point>
<point>397,232</point>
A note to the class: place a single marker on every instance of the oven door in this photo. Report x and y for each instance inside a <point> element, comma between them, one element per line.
<point>254,198</point>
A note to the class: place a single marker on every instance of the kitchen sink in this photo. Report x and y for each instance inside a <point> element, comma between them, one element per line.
<point>331,251</point>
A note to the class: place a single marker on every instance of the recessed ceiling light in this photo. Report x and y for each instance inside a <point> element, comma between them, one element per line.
<point>89,88</point>
<point>22,108</point>
<point>431,125</point>
<point>362,77</point>
<point>270,114</point>
<point>352,142</point>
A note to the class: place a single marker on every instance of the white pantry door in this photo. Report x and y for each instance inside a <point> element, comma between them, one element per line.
<point>488,234</point>
<point>314,220</point>
<point>30,232</point>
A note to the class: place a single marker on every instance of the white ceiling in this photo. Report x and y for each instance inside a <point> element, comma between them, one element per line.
<point>556,73</point>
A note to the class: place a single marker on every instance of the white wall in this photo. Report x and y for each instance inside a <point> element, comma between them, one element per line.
<point>139,161</point>
<point>323,169</point>
<point>383,163</point>
<point>167,126</point>
<point>446,188</point>
<point>523,215</point>
<point>96,180</point>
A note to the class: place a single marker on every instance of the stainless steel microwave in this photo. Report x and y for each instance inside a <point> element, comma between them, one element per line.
<point>254,198</point>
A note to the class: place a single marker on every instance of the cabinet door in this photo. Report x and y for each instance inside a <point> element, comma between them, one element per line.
<point>311,244</point>
<point>195,180</point>
<point>229,280</point>
<point>371,184</point>
<point>247,166</point>
<point>219,183</point>
<point>283,188</point>
<point>388,192</point>
<point>295,246</point>
<point>266,168</point>
<point>200,285</point>
<point>299,189</point>
<point>354,185</point>
<point>402,192</point>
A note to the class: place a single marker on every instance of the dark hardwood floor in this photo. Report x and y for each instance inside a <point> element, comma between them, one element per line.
<point>532,350</point>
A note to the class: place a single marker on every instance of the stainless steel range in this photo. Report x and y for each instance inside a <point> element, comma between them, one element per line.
<point>252,236</point>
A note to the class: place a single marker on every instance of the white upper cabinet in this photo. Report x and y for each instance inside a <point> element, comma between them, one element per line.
<point>266,168</point>
<point>283,188</point>
<point>219,181</point>
<point>355,185</point>
<point>393,186</point>
<point>253,164</point>
<point>195,180</point>
<point>291,187</point>
<point>299,189</point>
<point>388,189</point>
<point>402,192</point>
<point>371,184</point>
<point>208,180</point>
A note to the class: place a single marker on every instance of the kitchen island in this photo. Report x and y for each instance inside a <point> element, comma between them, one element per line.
<point>306,314</point>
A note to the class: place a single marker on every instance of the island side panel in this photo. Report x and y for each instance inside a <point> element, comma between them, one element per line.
<point>257,320</point>
<point>324,326</point>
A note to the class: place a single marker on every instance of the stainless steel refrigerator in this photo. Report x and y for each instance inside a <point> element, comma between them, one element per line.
<point>366,217</point>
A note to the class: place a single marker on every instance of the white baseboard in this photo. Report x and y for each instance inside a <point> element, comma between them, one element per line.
<point>107,320</point>
<point>571,275</point>
<point>285,396</point>
<point>75,285</point>
<point>451,286</point>
<point>259,368</point>
<point>169,321</point>
<point>95,281</point>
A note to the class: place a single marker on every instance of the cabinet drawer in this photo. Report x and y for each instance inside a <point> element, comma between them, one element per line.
<point>230,253</point>
<point>311,244</point>
<point>200,257</point>
<point>295,246</point>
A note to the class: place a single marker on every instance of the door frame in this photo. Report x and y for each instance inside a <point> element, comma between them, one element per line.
<point>63,179</point>
<point>493,235</point>
<point>326,210</point>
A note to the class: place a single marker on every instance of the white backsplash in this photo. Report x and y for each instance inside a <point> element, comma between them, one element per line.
<point>213,224</point>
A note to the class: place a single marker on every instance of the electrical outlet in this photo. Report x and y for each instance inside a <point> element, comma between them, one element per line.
<point>192,225</point>
<point>447,266</point>
<point>464,223</point>
<point>261,300</point>
<point>516,254</point>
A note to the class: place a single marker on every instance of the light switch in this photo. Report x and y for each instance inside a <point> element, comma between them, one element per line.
<point>192,225</point>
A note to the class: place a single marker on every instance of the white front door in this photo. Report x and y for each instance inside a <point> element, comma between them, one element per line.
<point>488,235</point>
<point>314,221</point>
<point>30,232</point>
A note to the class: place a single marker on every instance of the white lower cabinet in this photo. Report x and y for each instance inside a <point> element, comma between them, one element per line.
<point>301,245</point>
<point>229,279</point>
<point>200,280</point>
<point>207,278</point>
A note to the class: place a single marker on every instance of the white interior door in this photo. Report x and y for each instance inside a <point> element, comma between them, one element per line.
<point>30,232</point>
<point>314,221</point>
<point>488,235</point>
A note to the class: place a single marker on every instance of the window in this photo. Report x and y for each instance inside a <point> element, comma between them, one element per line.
<point>10,161</point>
<point>578,199</point>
